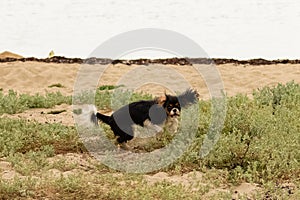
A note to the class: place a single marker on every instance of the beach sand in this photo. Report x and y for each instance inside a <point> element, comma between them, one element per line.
<point>36,77</point>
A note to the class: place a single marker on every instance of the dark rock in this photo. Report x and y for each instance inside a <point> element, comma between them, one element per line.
<point>143,61</point>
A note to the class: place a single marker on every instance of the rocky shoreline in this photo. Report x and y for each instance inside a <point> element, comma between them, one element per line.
<point>171,61</point>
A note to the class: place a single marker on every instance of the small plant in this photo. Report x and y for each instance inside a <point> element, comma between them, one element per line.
<point>77,111</point>
<point>109,87</point>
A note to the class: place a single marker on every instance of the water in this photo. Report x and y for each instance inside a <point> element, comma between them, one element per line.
<point>74,28</point>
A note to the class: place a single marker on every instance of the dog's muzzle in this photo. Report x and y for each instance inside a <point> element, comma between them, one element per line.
<point>174,112</point>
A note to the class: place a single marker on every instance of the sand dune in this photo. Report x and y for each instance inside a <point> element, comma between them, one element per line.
<point>7,54</point>
<point>244,79</point>
<point>36,77</point>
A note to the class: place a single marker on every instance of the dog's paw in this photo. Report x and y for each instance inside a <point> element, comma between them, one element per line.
<point>157,128</point>
<point>124,146</point>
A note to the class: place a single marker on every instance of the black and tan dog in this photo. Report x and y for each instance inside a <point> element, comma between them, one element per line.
<point>152,113</point>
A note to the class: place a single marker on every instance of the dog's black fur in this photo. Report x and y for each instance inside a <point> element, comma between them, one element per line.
<point>154,112</point>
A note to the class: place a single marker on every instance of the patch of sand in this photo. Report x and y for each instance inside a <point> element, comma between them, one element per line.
<point>6,170</point>
<point>195,180</point>
<point>84,164</point>
<point>43,115</point>
<point>36,77</point>
<point>7,54</point>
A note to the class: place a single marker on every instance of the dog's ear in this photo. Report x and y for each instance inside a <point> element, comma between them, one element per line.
<point>167,97</point>
<point>161,100</point>
<point>188,97</point>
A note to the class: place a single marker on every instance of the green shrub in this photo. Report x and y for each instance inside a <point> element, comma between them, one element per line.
<point>22,136</point>
<point>260,139</point>
<point>287,95</point>
<point>13,102</point>
<point>259,142</point>
<point>109,87</point>
<point>106,99</point>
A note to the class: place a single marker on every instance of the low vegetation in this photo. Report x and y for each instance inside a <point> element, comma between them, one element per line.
<point>259,144</point>
<point>13,102</point>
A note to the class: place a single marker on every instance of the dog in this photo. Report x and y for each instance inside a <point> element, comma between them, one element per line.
<point>153,114</point>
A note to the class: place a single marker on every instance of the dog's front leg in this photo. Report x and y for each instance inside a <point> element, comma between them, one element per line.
<point>172,124</point>
<point>155,127</point>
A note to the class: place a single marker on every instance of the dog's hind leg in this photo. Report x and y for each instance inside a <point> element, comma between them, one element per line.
<point>124,138</point>
<point>122,141</point>
<point>125,134</point>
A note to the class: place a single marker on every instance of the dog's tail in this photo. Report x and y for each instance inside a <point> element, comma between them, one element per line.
<point>190,96</point>
<point>104,118</point>
<point>95,116</point>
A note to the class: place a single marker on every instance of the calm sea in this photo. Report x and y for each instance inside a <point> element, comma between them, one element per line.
<point>233,29</point>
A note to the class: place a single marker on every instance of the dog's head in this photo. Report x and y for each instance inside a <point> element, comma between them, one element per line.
<point>172,106</point>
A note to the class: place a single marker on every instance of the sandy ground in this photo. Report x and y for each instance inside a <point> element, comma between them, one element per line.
<point>191,180</point>
<point>36,77</point>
